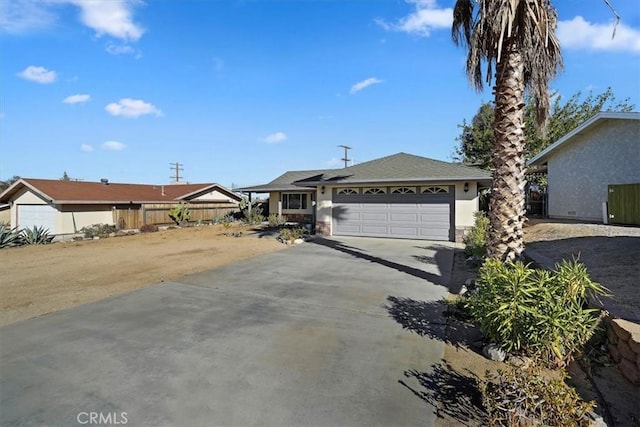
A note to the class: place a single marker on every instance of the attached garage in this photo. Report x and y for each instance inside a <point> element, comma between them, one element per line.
<point>37,215</point>
<point>405,212</point>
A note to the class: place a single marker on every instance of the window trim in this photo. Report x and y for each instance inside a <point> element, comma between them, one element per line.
<point>347,191</point>
<point>286,202</point>
<point>374,191</point>
<point>435,189</point>
<point>403,190</point>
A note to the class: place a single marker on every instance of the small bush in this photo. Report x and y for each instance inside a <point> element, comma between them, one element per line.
<point>290,234</point>
<point>275,220</point>
<point>254,216</point>
<point>227,221</point>
<point>476,240</point>
<point>97,230</point>
<point>149,228</point>
<point>539,313</point>
<point>9,236</point>
<point>35,236</point>
<point>518,397</point>
<point>180,214</point>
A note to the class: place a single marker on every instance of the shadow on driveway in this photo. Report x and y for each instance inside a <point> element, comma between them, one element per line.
<point>442,260</point>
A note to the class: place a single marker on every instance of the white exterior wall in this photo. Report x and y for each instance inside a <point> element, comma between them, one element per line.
<point>214,195</point>
<point>324,210</point>
<point>82,216</point>
<point>580,170</point>
<point>466,205</point>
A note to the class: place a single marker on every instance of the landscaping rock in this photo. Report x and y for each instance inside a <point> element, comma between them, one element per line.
<point>625,351</point>
<point>298,241</point>
<point>519,361</point>
<point>630,371</point>
<point>620,326</point>
<point>615,354</point>
<point>494,352</point>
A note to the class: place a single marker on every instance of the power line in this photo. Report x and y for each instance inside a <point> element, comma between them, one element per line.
<point>346,158</point>
<point>177,168</point>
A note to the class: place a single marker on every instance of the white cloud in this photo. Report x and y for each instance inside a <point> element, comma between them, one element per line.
<point>275,137</point>
<point>113,146</point>
<point>86,148</point>
<point>333,162</point>
<point>131,108</point>
<point>38,74</point>
<point>363,84</point>
<point>580,34</point>
<point>121,49</point>
<point>23,16</point>
<point>426,17</point>
<point>106,17</point>
<point>76,99</point>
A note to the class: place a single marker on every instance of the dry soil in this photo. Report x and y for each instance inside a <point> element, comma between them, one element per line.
<point>40,279</point>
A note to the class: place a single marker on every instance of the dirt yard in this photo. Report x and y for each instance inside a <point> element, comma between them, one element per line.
<point>63,275</point>
<point>612,256</point>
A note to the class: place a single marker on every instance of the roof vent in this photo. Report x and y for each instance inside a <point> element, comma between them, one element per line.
<point>104,181</point>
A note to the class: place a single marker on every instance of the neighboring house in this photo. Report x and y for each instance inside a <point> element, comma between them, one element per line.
<point>603,151</point>
<point>401,196</point>
<point>5,213</point>
<point>65,207</point>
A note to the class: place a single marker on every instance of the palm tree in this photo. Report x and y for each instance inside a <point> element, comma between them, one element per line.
<point>517,37</point>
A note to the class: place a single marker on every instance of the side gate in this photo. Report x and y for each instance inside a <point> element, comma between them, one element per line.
<point>623,204</point>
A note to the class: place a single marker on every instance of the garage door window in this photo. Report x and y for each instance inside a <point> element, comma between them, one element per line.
<point>403,190</point>
<point>374,191</point>
<point>435,190</point>
<point>347,190</point>
<point>293,201</point>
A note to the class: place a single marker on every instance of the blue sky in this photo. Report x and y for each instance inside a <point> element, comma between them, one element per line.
<point>241,91</point>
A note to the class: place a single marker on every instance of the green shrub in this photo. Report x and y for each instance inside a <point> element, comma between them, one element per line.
<point>536,312</point>
<point>149,228</point>
<point>476,240</point>
<point>227,221</point>
<point>254,216</point>
<point>35,236</point>
<point>290,234</point>
<point>97,230</point>
<point>9,236</point>
<point>180,214</point>
<point>518,397</point>
<point>275,220</point>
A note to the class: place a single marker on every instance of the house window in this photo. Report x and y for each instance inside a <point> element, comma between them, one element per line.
<point>374,191</point>
<point>435,190</point>
<point>347,190</point>
<point>403,190</point>
<point>294,201</point>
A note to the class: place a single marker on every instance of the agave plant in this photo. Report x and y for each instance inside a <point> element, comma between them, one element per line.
<point>36,236</point>
<point>9,236</point>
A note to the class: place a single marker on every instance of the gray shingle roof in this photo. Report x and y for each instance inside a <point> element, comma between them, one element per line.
<point>285,181</point>
<point>401,167</point>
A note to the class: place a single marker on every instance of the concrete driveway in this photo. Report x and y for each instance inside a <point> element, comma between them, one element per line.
<point>312,335</point>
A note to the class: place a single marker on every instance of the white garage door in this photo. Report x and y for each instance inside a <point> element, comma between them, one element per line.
<point>37,215</point>
<point>416,213</point>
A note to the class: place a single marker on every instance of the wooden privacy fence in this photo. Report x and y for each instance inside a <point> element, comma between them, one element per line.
<point>137,215</point>
<point>623,204</point>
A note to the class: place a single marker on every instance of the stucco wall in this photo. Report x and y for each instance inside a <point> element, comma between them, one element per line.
<point>466,205</point>
<point>214,196</point>
<point>74,217</point>
<point>580,170</point>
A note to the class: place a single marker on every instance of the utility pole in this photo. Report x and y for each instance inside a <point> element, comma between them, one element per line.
<point>177,168</point>
<point>346,158</point>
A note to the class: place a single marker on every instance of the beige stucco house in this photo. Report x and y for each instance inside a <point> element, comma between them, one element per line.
<point>603,151</point>
<point>400,196</point>
<point>65,207</point>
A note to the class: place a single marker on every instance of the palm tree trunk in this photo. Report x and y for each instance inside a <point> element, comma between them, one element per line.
<point>506,206</point>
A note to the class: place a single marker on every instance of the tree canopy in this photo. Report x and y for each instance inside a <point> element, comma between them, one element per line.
<point>476,137</point>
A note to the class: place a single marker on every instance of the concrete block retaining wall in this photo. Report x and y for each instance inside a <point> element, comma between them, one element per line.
<point>624,347</point>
